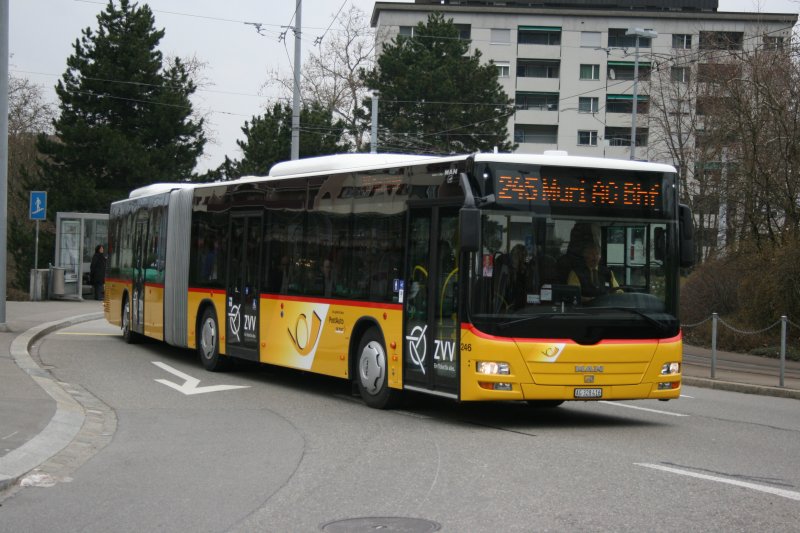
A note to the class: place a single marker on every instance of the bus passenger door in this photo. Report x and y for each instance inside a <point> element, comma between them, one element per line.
<point>430,348</point>
<point>140,233</point>
<point>243,286</point>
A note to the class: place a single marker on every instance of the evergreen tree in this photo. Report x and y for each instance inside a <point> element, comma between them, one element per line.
<point>125,117</point>
<point>268,140</point>
<point>434,98</point>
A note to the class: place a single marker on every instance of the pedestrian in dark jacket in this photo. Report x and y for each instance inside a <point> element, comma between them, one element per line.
<point>97,272</point>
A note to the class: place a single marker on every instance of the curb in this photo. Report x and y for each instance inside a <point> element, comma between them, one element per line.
<point>68,418</point>
<point>745,388</point>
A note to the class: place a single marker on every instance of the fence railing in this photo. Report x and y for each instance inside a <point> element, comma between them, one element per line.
<point>716,320</point>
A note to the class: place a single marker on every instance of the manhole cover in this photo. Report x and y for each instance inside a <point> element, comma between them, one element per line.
<point>381,524</point>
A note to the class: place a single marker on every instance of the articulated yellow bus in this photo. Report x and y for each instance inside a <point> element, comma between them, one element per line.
<point>539,278</point>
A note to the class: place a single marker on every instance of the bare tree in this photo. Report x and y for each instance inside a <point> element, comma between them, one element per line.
<point>330,76</point>
<point>756,122</point>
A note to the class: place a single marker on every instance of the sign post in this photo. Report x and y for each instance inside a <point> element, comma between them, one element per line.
<point>37,212</point>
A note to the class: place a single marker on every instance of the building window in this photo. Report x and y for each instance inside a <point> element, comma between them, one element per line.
<point>588,104</point>
<point>537,101</point>
<point>536,134</point>
<point>464,31</point>
<point>587,138</point>
<point>681,41</point>
<point>618,39</point>
<point>407,31</point>
<point>622,136</point>
<point>717,72</point>
<point>500,36</point>
<point>590,72</point>
<point>773,43</point>
<point>503,69</point>
<point>590,39</point>
<point>623,103</point>
<point>680,74</point>
<point>624,70</point>
<point>547,35</point>
<point>721,40</point>
<point>537,68</point>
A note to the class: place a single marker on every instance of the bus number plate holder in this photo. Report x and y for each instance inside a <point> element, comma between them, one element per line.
<point>588,393</point>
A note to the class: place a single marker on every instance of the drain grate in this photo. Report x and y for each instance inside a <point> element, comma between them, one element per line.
<point>382,524</point>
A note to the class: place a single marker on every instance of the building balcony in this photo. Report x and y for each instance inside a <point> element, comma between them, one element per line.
<point>537,84</point>
<point>542,51</point>
<point>536,116</point>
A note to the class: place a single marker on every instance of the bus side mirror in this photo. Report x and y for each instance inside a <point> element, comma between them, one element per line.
<point>469,223</point>
<point>686,236</point>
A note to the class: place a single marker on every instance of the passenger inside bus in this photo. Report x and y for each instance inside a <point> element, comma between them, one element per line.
<point>593,278</point>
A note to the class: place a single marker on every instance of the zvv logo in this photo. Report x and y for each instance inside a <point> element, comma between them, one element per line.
<point>418,346</point>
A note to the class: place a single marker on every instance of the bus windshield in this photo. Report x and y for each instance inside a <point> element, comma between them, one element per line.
<point>581,272</point>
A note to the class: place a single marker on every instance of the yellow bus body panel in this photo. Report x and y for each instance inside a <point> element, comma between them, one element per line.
<point>316,335</point>
<point>112,302</point>
<point>154,311</point>
<point>553,369</point>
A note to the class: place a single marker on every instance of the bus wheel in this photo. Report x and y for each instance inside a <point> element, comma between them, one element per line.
<point>127,335</point>
<point>372,372</point>
<point>208,343</point>
<point>544,404</point>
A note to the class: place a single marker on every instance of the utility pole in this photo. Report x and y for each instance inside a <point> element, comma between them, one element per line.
<point>373,146</point>
<point>296,95</point>
<point>4,12</point>
<point>638,32</point>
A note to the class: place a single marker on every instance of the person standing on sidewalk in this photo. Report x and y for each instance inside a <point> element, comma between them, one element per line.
<point>97,271</point>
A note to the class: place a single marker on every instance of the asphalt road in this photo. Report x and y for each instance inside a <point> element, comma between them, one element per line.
<point>289,451</point>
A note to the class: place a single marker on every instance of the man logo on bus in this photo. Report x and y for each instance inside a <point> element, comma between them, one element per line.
<point>417,346</point>
<point>303,338</point>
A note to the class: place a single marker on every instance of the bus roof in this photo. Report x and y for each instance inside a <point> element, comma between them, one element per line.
<point>351,162</point>
<point>158,188</point>
<point>562,159</point>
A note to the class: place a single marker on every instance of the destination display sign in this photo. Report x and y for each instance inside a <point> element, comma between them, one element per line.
<point>639,191</point>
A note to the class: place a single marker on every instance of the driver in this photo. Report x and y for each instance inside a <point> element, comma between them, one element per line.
<point>593,278</point>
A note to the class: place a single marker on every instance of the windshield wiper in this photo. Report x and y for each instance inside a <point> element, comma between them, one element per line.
<point>652,321</point>
<point>533,318</point>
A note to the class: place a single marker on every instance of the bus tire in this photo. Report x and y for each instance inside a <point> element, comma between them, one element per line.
<point>128,336</point>
<point>372,366</point>
<point>208,343</point>
<point>545,404</point>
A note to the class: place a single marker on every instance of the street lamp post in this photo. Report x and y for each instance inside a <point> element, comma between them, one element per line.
<point>638,32</point>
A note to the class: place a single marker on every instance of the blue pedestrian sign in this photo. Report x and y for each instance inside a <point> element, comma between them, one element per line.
<point>38,208</point>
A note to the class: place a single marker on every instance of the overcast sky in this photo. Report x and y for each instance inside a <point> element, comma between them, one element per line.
<point>238,58</point>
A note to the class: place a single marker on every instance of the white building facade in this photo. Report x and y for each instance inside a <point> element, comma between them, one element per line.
<point>570,69</point>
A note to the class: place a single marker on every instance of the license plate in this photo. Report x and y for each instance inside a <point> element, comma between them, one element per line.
<point>588,393</point>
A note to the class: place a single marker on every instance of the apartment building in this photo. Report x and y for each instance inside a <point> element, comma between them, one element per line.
<point>569,64</point>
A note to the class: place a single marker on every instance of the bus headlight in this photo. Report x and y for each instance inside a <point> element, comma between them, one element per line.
<point>668,369</point>
<point>492,367</point>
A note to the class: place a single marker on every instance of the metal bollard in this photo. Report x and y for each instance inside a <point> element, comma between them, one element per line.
<point>714,319</point>
<point>784,319</point>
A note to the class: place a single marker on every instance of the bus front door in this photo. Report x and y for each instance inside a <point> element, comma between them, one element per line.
<point>430,348</point>
<point>243,286</point>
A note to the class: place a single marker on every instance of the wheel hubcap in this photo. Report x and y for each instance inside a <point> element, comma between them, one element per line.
<point>372,366</point>
<point>207,339</point>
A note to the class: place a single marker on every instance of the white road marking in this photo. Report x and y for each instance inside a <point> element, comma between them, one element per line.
<point>687,396</point>
<point>618,404</point>
<point>9,436</point>
<point>792,495</point>
<point>190,385</point>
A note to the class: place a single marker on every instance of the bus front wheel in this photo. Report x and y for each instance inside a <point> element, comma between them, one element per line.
<point>208,343</point>
<point>127,335</point>
<point>372,372</point>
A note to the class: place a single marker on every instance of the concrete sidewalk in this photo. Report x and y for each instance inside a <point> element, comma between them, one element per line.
<point>39,417</point>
